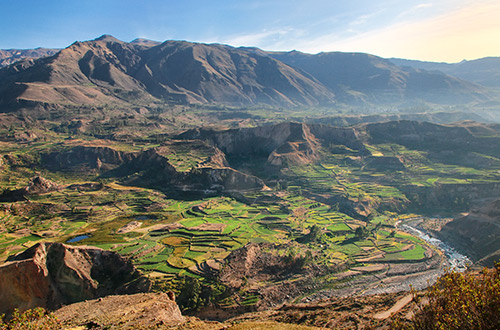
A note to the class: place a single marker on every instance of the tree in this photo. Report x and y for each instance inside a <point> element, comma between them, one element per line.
<point>361,233</point>
<point>314,235</point>
<point>190,296</point>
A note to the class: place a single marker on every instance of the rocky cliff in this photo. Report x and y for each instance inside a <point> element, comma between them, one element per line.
<point>281,144</point>
<point>152,168</point>
<point>477,233</point>
<point>53,274</point>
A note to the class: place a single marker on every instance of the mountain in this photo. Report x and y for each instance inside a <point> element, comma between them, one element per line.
<point>107,72</point>
<point>360,78</point>
<point>9,56</point>
<point>142,41</point>
<point>484,71</point>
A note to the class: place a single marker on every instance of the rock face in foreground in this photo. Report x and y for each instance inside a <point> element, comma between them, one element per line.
<point>135,311</point>
<point>53,274</point>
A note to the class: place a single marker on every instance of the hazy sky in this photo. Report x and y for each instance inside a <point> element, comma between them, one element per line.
<point>435,30</point>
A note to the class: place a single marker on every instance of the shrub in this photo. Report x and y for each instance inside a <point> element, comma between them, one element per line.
<point>460,301</point>
<point>32,319</point>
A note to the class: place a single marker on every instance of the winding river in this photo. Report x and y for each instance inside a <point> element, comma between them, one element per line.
<point>457,261</point>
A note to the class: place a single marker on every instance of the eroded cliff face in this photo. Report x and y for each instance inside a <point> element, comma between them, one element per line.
<point>85,157</point>
<point>455,196</point>
<point>53,274</point>
<point>282,144</point>
<point>221,179</point>
<point>477,233</point>
<point>151,168</point>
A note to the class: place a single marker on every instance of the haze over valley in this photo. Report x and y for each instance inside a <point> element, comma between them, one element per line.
<point>232,183</point>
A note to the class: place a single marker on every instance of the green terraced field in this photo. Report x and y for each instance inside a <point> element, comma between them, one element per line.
<point>351,197</point>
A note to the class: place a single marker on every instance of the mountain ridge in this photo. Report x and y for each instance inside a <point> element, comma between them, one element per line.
<point>362,77</point>
<point>484,71</point>
<point>107,71</point>
<point>177,71</point>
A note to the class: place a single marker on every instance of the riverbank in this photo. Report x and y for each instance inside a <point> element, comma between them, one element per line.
<point>456,261</point>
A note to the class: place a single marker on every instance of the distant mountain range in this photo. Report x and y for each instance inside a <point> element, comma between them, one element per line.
<point>363,78</point>
<point>9,56</point>
<point>108,71</point>
<point>483,71</point>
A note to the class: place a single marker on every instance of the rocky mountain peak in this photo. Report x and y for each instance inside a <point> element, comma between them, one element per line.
<point>107,38</point>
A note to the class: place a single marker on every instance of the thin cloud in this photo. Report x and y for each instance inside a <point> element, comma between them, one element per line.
<point>423,5</point>
<point>260,39</point>
<point>469,32</point>
<point>416,9</point>
<point>363,19</point>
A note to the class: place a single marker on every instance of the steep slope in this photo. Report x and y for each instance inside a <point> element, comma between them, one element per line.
<point>53,274</point>
<point>218,73</point>
<point>109,71</point>
<point>449,144</point>
<point>92,73</point>
<point>430,117</point>
<point>358,78</point>
<point>149,168</point>
<point>477,233</point>
<point>137,311</point>
<point>281,144</point>
<point>37,185</point>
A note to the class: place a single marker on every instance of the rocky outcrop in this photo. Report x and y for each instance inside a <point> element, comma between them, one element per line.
<point>257,263</point>
<point>281,144</point>
<point>220,179</point>
<point>40,185</point>
<point>151,168</point>
<point>137,311</point>
<point>37,185</point>
<point>88,157</point>
<point>53,274</point>
<point>467,144</point>
<point>218,159</point>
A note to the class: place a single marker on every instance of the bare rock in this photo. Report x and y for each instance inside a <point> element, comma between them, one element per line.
<point>53,274</point>
<point>137,311</point>
<point>37,185</point>
<point>40,185</point>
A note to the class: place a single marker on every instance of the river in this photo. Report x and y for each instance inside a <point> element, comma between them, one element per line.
<point>457,261</point>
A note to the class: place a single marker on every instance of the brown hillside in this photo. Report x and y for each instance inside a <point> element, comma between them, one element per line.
<point>109,71</point>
